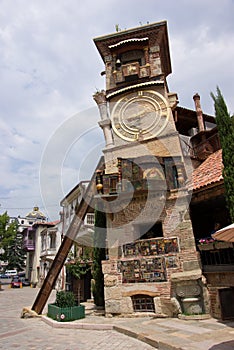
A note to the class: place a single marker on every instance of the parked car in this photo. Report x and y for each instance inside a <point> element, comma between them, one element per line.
<point>25,282</point>
<point>21,274</point>
<point>11,273</point>
<point>16,282</point>
<point>3,275</point>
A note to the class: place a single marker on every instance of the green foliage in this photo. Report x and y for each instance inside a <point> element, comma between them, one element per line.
<point>11,244</point>
<point>225,125</point>
<point>99,254</point>
<point>87,253</point>
<point>7,232</point>
<point>15,254</point>
<point>79,268</point>
<point>65,299</point>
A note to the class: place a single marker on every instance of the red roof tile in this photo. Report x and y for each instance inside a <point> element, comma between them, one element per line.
<point>210,171</point>
<point>46,223</point>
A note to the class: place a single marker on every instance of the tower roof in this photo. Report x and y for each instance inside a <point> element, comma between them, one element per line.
<point>36,214</point>
<point>155,34</point>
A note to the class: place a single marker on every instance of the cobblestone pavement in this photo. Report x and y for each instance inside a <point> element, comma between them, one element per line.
<point>98,332</point>
<point>34,334</point>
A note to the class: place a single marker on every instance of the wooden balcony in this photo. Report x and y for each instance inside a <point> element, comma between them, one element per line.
<point>141,174</point>
<point>204,144</point>
<point>48,252</point>
<point>28,245</point>
<point>217,257</point>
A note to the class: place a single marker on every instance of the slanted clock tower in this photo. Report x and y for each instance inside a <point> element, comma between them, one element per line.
<point>153,264</point>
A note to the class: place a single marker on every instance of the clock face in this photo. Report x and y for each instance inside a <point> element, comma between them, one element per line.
<point>140,115</point>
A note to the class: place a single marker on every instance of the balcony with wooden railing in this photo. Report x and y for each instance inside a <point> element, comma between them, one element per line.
<point>141,175</point>
<point>204,144</point>
<point>217,256</point>
<point>28,244</point>
<point>28,239</point>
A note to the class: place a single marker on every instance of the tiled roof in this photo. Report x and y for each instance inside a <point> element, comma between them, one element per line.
<point>210,171</point>
<point>46,223</point>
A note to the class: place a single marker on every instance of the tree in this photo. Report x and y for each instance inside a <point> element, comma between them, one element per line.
<point>7,232</point>
<point>15,253</point>
<point>99,254</point>
<point>11,244</point>
<point>225,125</point>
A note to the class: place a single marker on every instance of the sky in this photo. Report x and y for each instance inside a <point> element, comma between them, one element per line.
<point>50,69</point>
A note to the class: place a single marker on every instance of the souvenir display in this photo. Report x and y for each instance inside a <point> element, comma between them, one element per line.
<point>143,270</point>
<point>149,247</point>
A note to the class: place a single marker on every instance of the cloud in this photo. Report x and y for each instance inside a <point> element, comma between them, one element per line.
<point>50,68</point>
<point>203,62</point>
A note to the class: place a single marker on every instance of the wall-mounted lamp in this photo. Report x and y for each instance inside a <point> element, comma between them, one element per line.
<point>118,63</point>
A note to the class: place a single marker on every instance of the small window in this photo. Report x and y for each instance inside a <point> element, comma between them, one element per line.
<point>90,219</point>
<point>133,56</point>
<point>152,232</point>
<point>171,172</point>
<point>143,303</point>
<point>52,241</point>
<point>175,177</point>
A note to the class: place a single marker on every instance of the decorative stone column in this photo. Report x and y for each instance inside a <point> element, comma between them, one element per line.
<point>106,127</point>
<point>188,289</point>
<point>146,54</point>
<point>105,124</point>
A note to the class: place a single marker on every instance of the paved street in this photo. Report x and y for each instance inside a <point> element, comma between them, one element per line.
<point>96,332</point>
<point>34,334</point>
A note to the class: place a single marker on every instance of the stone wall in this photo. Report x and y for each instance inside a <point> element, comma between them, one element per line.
<point>215,282</point>
<point>183,289</point>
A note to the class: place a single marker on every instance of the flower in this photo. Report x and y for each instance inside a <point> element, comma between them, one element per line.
<point>62,316</point>
<point>206,240</point>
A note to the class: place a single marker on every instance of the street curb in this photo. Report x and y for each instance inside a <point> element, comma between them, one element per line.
<point>158,344</point>
<point>102,327</point>
<point>139,336</point>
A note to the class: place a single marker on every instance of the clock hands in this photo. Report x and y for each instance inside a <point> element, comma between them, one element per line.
<point>140,120</point>
<point>140,115</point>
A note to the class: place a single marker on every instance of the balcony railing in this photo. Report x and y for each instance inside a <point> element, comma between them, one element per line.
<point>48,251</point>
<point>217,256</point>
<point>202,148</point>
<point>29,245</point>
<point>142,174</point>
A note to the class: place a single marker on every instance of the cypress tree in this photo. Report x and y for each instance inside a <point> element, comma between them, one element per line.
<point>99,254</point>
<point>225,125</point>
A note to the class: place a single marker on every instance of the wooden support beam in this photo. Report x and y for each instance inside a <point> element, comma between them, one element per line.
<point>66,245</point>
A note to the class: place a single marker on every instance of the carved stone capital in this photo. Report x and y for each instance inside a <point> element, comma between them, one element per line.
<point>103,123</point>
<point>100,97</point>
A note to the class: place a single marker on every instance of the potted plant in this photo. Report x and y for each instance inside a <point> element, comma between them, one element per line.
<point>65,308</point>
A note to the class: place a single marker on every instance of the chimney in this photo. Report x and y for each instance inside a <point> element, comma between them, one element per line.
<point>200,121</point>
